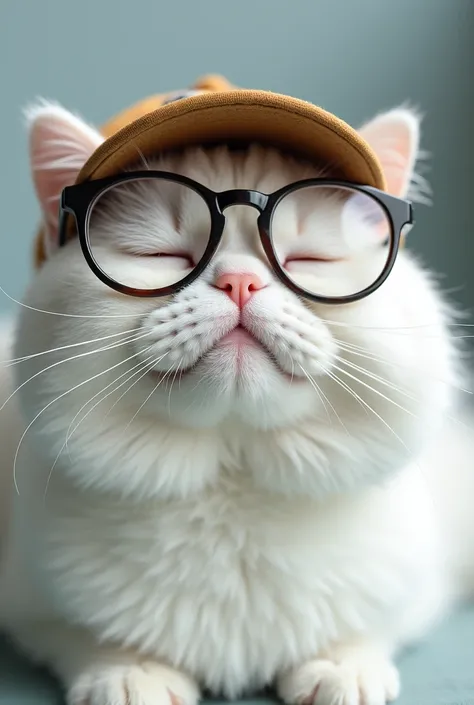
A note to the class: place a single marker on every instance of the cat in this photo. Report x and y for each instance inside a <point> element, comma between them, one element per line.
<point>221,519</point>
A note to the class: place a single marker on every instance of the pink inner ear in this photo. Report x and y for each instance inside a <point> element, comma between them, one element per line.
<point>60,144</point>
<point>394,138</point>
<point>396,161</point>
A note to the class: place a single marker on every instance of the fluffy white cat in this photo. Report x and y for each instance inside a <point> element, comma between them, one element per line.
<point>225,516</point>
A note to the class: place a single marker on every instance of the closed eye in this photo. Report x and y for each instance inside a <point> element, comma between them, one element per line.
<point>308,258</point>
<point>182,257</point>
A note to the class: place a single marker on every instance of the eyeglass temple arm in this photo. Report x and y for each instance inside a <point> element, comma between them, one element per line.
<point>64,212</point>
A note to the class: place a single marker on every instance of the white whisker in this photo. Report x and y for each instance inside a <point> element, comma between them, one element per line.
<point>375,377</point>
<point>14,361</point>
<point>70,433</point>
<point>394,387</point>
<point>53,401</point>
<point>149,367</point>
<point>360,351</point>
<point>193,401</point>
<point>375,391</point>
<point>67,315</point>
<point>70,359</point>
<point>400,329</point>
<point>143,159</point>
<point>162,379</point>
<point>369,408</point>
<point>171,386</point>
<point>347,388</point>
<point>319,391</point>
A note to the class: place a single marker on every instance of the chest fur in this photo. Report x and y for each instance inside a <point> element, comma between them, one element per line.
<point>233,587</point>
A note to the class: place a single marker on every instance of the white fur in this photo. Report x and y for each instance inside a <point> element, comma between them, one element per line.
<point>60,143</point>
<point>253,522</point>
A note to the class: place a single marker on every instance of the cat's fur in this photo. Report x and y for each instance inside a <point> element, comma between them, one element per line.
<point>244,527</point>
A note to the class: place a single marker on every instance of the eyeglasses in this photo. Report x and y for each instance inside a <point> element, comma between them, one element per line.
<point>328,241</point>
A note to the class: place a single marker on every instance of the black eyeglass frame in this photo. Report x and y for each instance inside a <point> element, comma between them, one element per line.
<point>79,201</point>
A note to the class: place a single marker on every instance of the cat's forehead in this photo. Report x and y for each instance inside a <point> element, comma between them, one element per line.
<point>221,168</point>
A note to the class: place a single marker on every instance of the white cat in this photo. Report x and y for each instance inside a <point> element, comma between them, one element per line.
<point>254,522</point>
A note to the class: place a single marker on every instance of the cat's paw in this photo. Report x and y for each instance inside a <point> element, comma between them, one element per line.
<point>364,679</point>
<point>146,683</point>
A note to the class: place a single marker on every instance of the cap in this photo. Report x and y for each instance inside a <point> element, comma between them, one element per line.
<point>215,112</point>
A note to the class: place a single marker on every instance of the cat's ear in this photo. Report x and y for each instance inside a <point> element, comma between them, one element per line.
<point>59,145</point>
<point>395,138</point>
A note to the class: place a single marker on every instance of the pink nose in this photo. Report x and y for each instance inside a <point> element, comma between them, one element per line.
<point>239,287</point>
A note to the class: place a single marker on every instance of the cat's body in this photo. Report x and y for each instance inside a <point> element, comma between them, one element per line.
<point>236,527</point>
<point>237,588</point>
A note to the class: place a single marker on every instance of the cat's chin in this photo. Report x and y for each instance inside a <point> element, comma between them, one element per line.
<point>236,380</point>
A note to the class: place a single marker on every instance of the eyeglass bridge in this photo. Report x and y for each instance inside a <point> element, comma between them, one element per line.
<point>242,197</point>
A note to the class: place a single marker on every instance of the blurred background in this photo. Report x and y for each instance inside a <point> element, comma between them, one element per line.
<point>352,57</point>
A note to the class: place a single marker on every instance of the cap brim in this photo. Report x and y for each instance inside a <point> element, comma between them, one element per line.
<point>240,116</point>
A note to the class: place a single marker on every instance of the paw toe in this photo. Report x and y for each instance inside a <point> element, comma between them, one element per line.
<point>140,684</point>
<point>324,682</point>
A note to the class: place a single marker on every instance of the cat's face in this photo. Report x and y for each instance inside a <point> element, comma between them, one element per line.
<point>236,357</point>
<point>236,344</point>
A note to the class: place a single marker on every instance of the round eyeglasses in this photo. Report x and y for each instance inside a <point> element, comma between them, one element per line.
<point>328,241</point>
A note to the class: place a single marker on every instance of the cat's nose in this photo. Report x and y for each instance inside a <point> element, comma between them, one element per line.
<point>240,287</point>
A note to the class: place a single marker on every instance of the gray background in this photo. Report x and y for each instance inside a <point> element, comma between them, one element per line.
<point>353,57</point>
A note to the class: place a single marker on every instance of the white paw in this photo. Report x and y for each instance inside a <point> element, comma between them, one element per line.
<point>146,683</point>
<point>356,680</point>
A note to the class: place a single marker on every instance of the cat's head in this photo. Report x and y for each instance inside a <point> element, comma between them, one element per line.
<point>157,395</point>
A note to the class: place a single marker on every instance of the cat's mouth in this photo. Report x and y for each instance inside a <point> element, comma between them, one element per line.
<point>240,336</point>
<point>241,341</point>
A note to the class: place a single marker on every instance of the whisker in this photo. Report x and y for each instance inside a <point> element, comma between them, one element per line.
<point>404,330</point>
<point>360,351</point>
<point>375,391</point>
<point>395,388</point>
<point>396,329</point>
<point>149,366</point>
<point>320,391</point>
<point>148,397</point>
<point>70,359</point>
<point>171,386</point>
<point>347,388</point>
<point>143,159</point>
<point>70,433</point>
<point>375,377</point>
<point>67,315</point>
<point>369,408</point>
<point>14,361</point>
<point>292,367</point>
<point>193,400</point>
<point>56,399</point>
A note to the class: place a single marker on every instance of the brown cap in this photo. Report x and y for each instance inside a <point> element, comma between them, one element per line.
<point>214,112</point>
